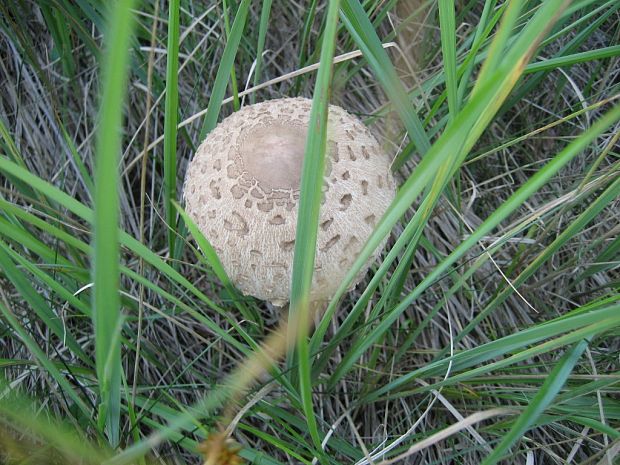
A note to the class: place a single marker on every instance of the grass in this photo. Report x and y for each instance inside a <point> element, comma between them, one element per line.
<point>486,333</point>
<point>170,119</point>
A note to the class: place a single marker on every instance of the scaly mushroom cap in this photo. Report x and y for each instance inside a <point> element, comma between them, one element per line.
<point>242,190</point>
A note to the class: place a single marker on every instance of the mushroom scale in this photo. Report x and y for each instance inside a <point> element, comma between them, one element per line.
<point>242,191</point>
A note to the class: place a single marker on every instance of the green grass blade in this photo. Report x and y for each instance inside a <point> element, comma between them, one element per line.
<point>460,284</point>
<point>310,14</point>
<point>53,282</point>
<point>597,426</point>
<point>604,260</point>
<point>568,60</point>
<point>308,216</point>
<point>22,238</point>
<point>182,325</point>
<point>481,32</point>
<point>77,160</point>
<point>587,19</point>
<point>85,248</point>
<point>106,274</point>
<point>14,154</point>
<point>60,34</point>
<point>551,387</point>
<point>233,74</point>
<point>223,70</point>
<point>170,120</point>
<point>448,48</point>
<point>496,51</point>
<point>408,240</point>
<point>262,34</point>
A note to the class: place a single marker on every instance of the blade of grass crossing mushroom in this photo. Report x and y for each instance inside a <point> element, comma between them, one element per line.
<point>308,217</point>
<point>445,148</point>
<point>260,46</point>
<point>205,247</point>
<point>407,240</point>
<point>544,396</point>
<point>361,29</point>
<point>223,70</point>
<point>216,396</point>
<point>448,48</point>
<point>170,120</point>
<point>106,274</point>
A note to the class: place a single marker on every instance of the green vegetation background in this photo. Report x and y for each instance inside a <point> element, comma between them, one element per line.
<point>487,333</point>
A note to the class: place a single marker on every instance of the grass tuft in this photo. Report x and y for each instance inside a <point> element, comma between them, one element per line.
<point>486,332</point>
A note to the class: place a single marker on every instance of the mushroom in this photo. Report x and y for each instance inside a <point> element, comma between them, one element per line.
<point>242,191</point>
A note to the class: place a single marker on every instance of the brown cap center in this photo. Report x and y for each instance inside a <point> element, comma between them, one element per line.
<point>273,155</point>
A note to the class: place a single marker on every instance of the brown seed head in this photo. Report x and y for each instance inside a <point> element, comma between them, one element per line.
<point>217,449</point>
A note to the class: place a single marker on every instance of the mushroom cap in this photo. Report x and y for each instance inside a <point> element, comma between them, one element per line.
<point>242,191</point>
